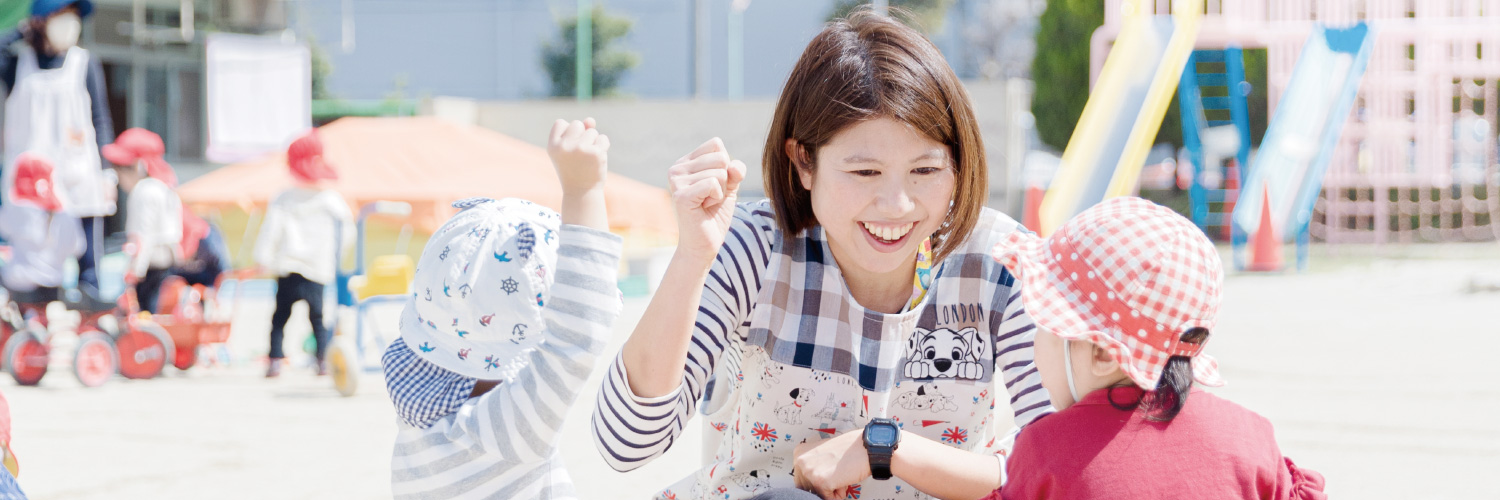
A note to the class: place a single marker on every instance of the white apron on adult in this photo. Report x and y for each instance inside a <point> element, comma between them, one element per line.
<point>799,360</point>
<point>49,113</point>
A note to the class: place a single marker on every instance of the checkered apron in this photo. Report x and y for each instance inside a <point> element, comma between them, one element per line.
<point>811,363</point>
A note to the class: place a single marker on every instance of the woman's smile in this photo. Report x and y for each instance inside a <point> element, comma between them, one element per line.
<point>885,236</point>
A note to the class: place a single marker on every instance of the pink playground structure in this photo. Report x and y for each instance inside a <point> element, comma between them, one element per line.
<point>1417,160</point>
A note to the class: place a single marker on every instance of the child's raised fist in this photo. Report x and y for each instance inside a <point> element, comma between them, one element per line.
<point>580,154</point>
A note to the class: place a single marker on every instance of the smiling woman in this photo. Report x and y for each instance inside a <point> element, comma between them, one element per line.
<point>883,189</point>
<point>874,71</point>
<point>859,295</point>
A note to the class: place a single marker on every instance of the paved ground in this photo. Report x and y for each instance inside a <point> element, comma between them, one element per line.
<point>1377,368</point>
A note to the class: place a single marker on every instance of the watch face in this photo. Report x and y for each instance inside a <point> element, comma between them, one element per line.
<point>882,434</point>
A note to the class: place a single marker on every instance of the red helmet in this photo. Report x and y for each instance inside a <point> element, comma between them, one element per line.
<point>34,182</point>
<point>305,159</point>
<point>140,144</point>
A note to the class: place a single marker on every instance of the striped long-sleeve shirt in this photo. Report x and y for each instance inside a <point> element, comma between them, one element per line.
<point>502,444</point>
<point>798,359</point>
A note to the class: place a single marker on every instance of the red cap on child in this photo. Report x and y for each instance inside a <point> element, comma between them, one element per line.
<point>305,159</point>
<point>34,182</point>
<point>138,144</point>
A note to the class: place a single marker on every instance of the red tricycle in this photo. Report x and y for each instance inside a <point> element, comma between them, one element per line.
<point>193,316</point>
<point>27,351</point>
<point>117,336</point>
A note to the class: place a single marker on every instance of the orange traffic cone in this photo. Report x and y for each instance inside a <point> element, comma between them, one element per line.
<point>1231,195</point>
<point>1266,243</point>
<point>1032,216</point>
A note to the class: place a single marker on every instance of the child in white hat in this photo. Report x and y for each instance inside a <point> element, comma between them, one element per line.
<point>1124,297</point>
<point>513,303</point>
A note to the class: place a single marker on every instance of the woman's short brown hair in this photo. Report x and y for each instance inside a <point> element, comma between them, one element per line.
<point>860,68</point>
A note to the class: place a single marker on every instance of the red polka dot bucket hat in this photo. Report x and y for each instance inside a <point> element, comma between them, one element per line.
<point>1128,275</point>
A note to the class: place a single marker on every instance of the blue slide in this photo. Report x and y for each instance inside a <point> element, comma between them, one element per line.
<point>1301,138</point>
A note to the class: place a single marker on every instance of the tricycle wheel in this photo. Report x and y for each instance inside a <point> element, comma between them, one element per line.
<point>186,357</point>
<point>143,351</point>
<point>26,357</point>
<point>96,360</point>
<point>345,374</point>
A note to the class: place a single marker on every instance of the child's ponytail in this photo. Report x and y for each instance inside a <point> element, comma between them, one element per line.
<point>1164,403</point>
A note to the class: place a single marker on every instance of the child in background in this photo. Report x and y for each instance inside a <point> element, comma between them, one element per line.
<point>153,212</point>
<point>201,252</point>
<point>43,237</point>
<point>510,311</point>
<point>297,244</point>
<point>1124,297</point>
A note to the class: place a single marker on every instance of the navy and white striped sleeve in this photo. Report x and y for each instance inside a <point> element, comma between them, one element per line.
<point>1015,359</point>
<point>523,416</point>
<point>630,430</point>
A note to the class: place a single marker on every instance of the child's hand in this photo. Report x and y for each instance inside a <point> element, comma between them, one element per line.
<point>580,154</point>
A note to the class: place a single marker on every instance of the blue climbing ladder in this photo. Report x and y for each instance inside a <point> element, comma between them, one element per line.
<point>1221,74</point>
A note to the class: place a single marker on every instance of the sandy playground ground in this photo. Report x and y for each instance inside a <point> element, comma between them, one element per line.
<point>1375,366</point>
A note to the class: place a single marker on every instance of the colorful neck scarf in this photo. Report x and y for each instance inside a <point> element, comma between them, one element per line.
<point>923,279</point>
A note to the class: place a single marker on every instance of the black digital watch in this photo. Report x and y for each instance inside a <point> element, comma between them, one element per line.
<point>881,438</point>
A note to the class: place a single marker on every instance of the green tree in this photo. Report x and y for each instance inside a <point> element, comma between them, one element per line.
<point>610,63</point>
<point>1061,67</point>
<point>322,68</point>
<point>1259,99</point>
<point>927,15</point>
<point>12,12</point>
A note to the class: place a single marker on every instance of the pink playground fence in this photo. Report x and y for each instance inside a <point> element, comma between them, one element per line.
<point>1418,159</point>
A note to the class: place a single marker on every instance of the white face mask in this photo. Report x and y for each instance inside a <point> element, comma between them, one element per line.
<point>63,30</point>
<point>1068,365</point>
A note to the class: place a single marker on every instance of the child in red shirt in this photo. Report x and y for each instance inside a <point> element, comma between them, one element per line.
<point>1124,297</point>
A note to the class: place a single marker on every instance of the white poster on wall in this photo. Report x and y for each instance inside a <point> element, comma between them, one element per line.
<point>259,95</point>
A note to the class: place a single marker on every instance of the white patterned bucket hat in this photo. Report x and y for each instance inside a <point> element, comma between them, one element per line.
<point>480,285</point>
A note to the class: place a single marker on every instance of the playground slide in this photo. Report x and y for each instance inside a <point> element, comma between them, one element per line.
<point>1301,138</point>
<point>1108,147</point>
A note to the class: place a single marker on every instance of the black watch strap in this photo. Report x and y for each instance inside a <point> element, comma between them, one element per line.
<point>880,465</point>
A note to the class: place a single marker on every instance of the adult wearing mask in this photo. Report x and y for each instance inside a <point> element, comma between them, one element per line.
<point>57,107</point>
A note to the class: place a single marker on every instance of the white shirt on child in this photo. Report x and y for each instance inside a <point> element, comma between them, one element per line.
<point>40,246</point>
<point>503,444</point>
<point>298,233</point>
<point>153,218</point>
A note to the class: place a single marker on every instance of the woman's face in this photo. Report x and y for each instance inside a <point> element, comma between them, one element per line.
<point>62,29</point>
<point>879,189</point>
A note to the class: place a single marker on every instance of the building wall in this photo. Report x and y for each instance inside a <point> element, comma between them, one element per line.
<point>471,48</point>
<point>648,136</point>
<point>491,49</point>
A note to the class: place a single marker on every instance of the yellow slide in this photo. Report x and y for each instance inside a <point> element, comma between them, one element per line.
<point>1124,111</point>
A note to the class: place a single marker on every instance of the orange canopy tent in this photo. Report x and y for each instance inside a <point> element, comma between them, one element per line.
<point>430,163</point>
